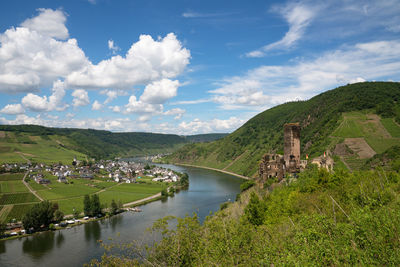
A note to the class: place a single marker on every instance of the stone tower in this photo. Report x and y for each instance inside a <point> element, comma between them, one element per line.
<point>291,136</point>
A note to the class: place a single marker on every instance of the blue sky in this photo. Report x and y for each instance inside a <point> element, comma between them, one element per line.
<point>184,67</point>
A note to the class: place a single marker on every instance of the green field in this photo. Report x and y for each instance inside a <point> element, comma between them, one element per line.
<point>20,147</point>
<point>6,199</point>
<point>380,134</point>
<point>392,127</point>
<point>11,176</point>
<point>12,187</point>
<point>18,211</point>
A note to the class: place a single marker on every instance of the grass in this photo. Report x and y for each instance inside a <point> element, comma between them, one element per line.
<point>18,211</point>
<point>17,198</point>
<point>11,176</point>
<point>12,187</point>
<point>66,191</point>
<point>374,130</point>
<point>35,186</point>
<point>68,205</point>
<point>392,127</point>
<point>22,147</point>
<point>4,211</point>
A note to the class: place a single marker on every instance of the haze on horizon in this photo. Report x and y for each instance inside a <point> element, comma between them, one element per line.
<point>184,67</point>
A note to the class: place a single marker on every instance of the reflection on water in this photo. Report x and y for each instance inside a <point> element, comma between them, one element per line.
<point>59,239</point>
<point>92,231</point>
<point>38,245</point>
<point>78,245</point>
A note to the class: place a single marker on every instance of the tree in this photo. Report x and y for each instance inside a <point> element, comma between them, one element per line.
<point>95,205</point>
<point>184,180</point>
<point>164,193</point>
<point>114,207</point>
<point>255,210</point>
<point>58,216</point>
<point>39,215</point>
<point>87,206</point>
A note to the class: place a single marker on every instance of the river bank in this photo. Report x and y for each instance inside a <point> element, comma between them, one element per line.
<point>214,169</point>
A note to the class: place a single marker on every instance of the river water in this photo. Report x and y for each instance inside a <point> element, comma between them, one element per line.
<point>78,245</point>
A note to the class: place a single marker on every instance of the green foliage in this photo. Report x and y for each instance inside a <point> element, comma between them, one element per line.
<point>114,207</point>
<point>246,185</point>
<point>164,193</point>
<point>184,181</point>
<point>58,216</point>
<point>255,211</point>
<point>320,219</point>
<point>95,206</point>
<point>87,209</point>
<point>319,117</point>
<point>39,215</point>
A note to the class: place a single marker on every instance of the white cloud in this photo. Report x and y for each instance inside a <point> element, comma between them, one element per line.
<point>81,98</point>
<point>266,86</point>
<point>147,60</point>
<point>140,107</point>
<point>54,102</point>
<point>114,48</point>
<point>115,109</point>
<point>113,94</point>
<point>177,112</point>
<point>30,59</point>
<point>48,23</point>
<point>96,105</point>
<point>13,109</point>
<point>33,56</point>
<point>160,91</point>
<point>298,16</point>
<point>198,126</point>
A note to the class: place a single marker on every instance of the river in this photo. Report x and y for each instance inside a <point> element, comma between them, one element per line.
<point>78,245</point>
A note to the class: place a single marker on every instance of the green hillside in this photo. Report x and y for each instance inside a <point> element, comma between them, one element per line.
<point>327,120</point>
<point>19,143</point>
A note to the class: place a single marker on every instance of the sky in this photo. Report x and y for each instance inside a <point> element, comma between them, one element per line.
<point>184,67</point>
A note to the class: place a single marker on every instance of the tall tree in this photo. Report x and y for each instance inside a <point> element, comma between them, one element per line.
<point>87,206</point>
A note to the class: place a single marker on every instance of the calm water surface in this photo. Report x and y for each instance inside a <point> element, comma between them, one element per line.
<point>78,245</point>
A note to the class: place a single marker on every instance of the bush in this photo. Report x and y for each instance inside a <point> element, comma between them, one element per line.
<point>246,185</point>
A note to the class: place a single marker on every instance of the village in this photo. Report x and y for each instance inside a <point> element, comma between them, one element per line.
<point>110,170</point>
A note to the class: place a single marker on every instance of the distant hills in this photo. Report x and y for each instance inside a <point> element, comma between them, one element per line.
<point>354,122</point>
<point>39,143</point>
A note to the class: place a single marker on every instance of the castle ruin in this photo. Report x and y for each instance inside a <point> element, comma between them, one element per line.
<point>275,165</point>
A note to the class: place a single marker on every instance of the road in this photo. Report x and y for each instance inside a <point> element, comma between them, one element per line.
<point>30,188</point>
<point>142,200</point>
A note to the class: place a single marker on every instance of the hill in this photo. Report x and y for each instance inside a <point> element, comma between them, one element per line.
<point>21,142</point>
<point>367,112</point>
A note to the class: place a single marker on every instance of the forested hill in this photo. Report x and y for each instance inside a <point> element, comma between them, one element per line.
<point>32,141</point>
<point>352,107</point>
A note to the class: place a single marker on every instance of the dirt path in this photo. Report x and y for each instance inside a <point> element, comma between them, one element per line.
<point>360,146</point>
<point>376,120</point>
<point>230,164</point>
<point>218,170</point>
<point>142,200</point>
<point>29,187</point>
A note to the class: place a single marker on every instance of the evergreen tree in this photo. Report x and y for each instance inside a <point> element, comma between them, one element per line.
<point>95,205</point>
<point>87,206</point>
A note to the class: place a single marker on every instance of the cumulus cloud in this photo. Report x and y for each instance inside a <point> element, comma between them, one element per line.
<point>31,58</point>
<point>96,105</point>
<point>177,112</point>
<point>146,61</point>
<point>38,52</point>
<point>114,48</point>
<point>266,86</point>
<point>298,15</point>
<point>113,94</point>
<point>13,109</point>
<point>48,23</point>
<point>140,107</point>
<point>216,125</point>
<point>160,91</point>
<point>81,98</point>
<point>54,102</point>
